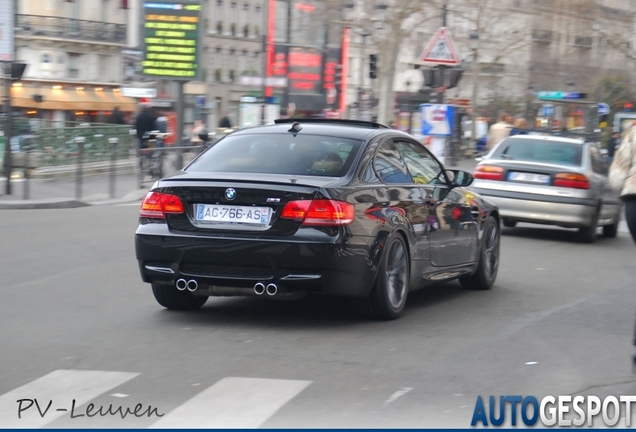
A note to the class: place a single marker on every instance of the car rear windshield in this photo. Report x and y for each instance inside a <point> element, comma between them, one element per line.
<point>312,155</point>
<point>542,151</point>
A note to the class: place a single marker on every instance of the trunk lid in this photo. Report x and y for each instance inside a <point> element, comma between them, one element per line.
<point>221,204</point>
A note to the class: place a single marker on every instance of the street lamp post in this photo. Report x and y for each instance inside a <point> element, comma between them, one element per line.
<point>474,46</point>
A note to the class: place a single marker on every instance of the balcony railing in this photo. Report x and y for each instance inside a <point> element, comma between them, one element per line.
<point>68,28</point>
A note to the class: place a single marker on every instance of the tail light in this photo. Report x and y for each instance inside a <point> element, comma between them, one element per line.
<point>157,205</point>
<point>571,180</point>
<point>489,172</point>
<point>319,212</point>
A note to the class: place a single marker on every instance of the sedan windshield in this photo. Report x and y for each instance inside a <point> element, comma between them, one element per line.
<point>542,151</point>
<point>312,155</point>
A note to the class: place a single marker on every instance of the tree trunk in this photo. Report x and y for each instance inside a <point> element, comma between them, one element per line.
<point>386,94</point>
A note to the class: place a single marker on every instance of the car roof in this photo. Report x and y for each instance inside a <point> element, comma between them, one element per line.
<point>553,138</point>
<point>344,129</point>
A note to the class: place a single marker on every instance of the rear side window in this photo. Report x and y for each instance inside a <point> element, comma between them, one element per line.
<point>542,151</point>
<point>312,155</point>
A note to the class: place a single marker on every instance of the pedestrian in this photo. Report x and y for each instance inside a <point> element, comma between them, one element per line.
<point>198,130</point>
<point>225,122</point>
<point>622,178</point>
<point>116,117</point>
<point>612,143</point>
<point>519,127</point>
<point>144,123</point>
<point>499,131</point>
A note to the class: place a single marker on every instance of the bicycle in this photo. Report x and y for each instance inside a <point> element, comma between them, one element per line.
<point>152,155</point>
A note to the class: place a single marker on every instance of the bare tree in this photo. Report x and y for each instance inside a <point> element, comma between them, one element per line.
<point>494,30</point>
<point>390,25</point>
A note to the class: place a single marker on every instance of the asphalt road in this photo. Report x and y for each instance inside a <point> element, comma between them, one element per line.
<point>78,323</point>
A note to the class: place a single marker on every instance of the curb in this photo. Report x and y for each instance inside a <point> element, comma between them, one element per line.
<point>39,205</point>
<point>67,203</point>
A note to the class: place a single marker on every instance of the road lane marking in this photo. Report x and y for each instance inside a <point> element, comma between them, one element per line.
<point>396,395</point>
<point>59,387</point>
<point>233,403</point>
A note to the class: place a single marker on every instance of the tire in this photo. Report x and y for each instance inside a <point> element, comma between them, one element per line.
<point>588,233</point>
<point>509,223</point>
<point>486,274</point>
<point>171,298</point>
<point>611,231</point>
<point>391,287</point>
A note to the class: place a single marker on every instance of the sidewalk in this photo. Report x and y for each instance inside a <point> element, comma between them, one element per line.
<point>57,187</point>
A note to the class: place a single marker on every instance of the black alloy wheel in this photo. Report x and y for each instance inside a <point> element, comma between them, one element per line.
<point>170,297</point>
<point>388,298</point>
<point>486,273</point>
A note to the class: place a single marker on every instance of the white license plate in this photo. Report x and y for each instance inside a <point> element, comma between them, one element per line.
<point>527,177</point>
<point>236,214</point>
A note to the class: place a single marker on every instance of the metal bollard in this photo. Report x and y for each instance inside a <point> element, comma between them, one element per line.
<point>27,150</point>
<point>113,160</point>
<point>80,162</point>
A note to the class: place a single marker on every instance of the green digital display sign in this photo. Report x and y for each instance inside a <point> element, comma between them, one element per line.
<point>171,39</point>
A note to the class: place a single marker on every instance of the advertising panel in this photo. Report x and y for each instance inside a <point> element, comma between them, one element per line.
<point>171,39</point>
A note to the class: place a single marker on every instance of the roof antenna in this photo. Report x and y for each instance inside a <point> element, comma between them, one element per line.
<point>295,128</point>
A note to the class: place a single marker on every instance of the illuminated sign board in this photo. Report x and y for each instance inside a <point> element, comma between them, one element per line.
<point>304,70</point>
<point>171,39</point>
<point>561,95</point>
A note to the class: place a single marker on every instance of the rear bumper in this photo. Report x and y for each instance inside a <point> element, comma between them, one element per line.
<point>523,207</point>
<point>336,269</point>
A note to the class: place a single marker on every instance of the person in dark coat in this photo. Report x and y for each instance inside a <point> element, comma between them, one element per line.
<point>225,122</point>
<point>117,117</point>
<point>145,123</point>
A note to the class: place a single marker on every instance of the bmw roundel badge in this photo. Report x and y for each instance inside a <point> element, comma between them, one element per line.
<point>230,194</point>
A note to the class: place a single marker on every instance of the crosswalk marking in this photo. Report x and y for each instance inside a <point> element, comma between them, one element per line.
<point>234,403</point>
<point>58,388</point>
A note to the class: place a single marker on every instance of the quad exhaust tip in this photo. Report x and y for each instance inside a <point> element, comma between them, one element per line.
<point>259,289</point>
<point>272,289</point>
<point>192,285</point>
<point>181,284</point>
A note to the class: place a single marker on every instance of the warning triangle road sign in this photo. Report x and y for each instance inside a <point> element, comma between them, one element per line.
<point>441,49</point>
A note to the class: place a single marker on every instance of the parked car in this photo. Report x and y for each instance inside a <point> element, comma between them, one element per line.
<point>335,207</point>
<point>550,180</point>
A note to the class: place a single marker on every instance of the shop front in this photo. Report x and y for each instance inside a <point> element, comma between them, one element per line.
<point>65,103</point>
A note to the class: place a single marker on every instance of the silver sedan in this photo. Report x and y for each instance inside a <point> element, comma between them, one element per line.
<point>550,180</point>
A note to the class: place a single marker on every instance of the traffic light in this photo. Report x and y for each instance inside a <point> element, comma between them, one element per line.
<point>430,78</point>
<point>455,77</point>
<point>338,76</point>
<point>373,66</point>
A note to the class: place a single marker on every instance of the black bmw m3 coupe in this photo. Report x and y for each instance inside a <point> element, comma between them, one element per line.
<point>336,207</point>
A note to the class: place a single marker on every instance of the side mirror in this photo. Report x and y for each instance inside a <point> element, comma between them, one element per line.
<point>459,178</point>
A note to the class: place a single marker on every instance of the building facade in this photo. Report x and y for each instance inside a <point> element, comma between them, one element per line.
<point>510,50</point>
<point>73,54</point>
<point>233,56</point>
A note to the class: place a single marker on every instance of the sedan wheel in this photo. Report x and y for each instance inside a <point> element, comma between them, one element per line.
<point>388,298</point>
<point>169,297</point>
<point>611,231</point>
<point>486,273</point>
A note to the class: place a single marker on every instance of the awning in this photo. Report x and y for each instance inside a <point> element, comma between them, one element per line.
<point>70,100</point>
